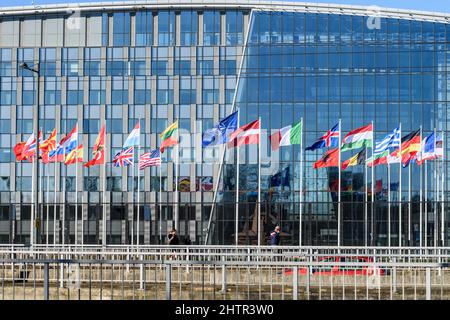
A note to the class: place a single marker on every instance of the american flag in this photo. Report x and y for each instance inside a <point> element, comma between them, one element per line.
<point>149,159</point>
<point>124,158</point>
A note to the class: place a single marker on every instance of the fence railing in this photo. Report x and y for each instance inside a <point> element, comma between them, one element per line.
<point>199,273</point>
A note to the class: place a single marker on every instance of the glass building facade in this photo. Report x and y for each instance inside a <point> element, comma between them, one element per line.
<point>196,64</point>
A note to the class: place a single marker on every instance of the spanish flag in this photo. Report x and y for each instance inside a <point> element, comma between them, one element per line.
<point>74,156</point>
<point>169,137</point>
<point>359,158</point>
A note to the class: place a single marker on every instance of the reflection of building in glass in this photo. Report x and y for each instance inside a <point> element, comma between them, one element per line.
<point>182,61</point>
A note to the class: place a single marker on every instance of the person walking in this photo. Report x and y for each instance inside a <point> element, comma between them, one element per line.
<point>173,241</point>
<point>275,237</point>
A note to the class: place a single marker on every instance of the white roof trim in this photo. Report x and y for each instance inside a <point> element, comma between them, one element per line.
<point>242,4</point>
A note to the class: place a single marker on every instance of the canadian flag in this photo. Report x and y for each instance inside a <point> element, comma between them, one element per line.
<point>247,134</point>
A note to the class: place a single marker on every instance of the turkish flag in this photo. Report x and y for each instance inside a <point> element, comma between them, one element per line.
<point>329,159</point>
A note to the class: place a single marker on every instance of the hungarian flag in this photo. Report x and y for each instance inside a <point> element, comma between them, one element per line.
<point>359,158</point>
<point>286,136</point>
<point>74,156</point>
<point>18,151</point>
<point>98,154</point>
<point>247,134</point>
<point>358,138</point>
<point>169,136</point>
<point>329,159</point>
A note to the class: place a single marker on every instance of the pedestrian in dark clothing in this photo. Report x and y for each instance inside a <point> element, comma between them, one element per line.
<point>275,237</point>
<point>187,241</point>
<point>173,238</point>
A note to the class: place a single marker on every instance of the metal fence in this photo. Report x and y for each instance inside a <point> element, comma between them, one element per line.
<point>209,272</point>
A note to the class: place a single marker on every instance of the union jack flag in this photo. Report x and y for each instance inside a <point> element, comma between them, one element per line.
<point>148,159</point>
<point>124,158</point>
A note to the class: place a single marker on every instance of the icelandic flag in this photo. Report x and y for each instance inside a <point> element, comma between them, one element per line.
<point>133,138</point>
<point>329,139</point>
<point>219,134</point>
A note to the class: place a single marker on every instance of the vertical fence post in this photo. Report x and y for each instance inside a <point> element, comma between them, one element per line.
<point>168,281</point>
<point>308,272</point>
<point>46,281</point>
<point>428,283</point>
<point>295,283</point>
<point>394,276</point>
<point>224,279</point>
<point>141,274</point>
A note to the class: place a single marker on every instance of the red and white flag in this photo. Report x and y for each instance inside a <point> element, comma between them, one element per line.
<point>247,134</point>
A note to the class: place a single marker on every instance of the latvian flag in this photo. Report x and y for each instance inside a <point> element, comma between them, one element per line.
<point>247,134</point>
<point>149,159</point>
<point>358,138</point>
<point>286,136</point>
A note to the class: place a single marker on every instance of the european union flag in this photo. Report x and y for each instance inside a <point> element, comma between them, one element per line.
<point>219,134</point>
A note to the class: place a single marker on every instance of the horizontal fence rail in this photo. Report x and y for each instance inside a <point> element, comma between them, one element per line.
<point>223,272</point>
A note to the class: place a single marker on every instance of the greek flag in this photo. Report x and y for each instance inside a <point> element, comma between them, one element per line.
<point>392,140</point>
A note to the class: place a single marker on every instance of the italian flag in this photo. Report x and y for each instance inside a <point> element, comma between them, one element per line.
<point>286,136</point>
<point>169,136</point>
<point>358,138</point>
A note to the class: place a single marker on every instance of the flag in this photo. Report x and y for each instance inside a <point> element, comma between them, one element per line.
<point>329,139</point>
<point>410,145</point>
<point>124,158</point>
<point>219,134</point>
<point>98,153</point>
<point>169,136</point>
<point>133,138</point>
<point>329,159</point>
<point>359,158</point>
<point>148,159</point>
<point>74,156</point>
<point>358,138</point>
<point>281,178</point>
<point>431,148</point>
<point>29,149</point>
<point>286,136</point>
<point>247,134</point>
<point>18,151</point>
<point>382,150</point>
<point>439,151</point>
<point>48,144</point>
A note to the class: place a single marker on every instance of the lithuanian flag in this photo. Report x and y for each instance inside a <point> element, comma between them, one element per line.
<point>169,137</point>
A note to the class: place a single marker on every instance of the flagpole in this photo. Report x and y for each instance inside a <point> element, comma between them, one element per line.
<point>32,201</point>
<point>389,204</point>
<point>104,192</point>
<point>40,196</point>
<point>132,195</point>
<point>160,201</point>
<point>366,198</point>
<point>138,185</point>
<point>48,203</point>
<point>426,204</point>
<point>400,191</point>
<point>76,190</point>
<point>301,187</point>
<point>373,194</point>
<point>177,218</point>
<point>442,193</point>
<point>409,204</point>
<point>236,226</point>
<point>259,184</point>
<point>436,191</point>
<point>339,189</point>
<point>54,185</point>
<point>420,192</point>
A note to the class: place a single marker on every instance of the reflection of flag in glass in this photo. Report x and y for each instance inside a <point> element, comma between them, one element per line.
<point>184,184</point>
<point>124,158</point>
<point>281,178</point>
<point>207,183</point>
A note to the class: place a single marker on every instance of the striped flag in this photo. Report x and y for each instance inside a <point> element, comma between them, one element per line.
<point>286,136</point>
<point>382,150</point>
<point>169,136</point>
<point>358,138</point>
<point>134,137</point>
<point>148,159</point>
<point>247,134</point>
<point>359,158</point>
